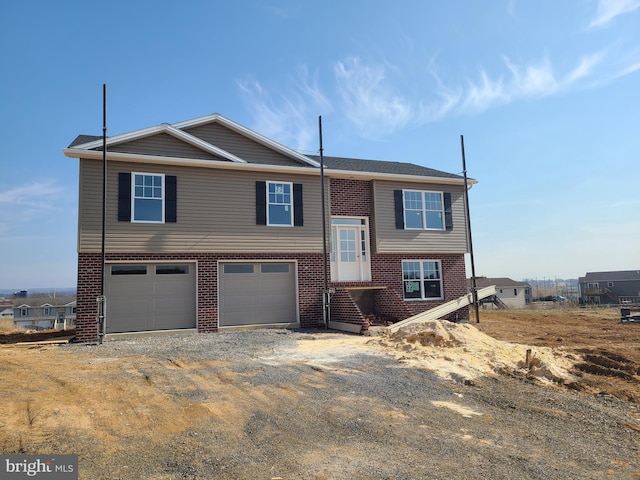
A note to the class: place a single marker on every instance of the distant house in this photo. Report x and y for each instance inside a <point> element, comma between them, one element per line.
<point>44,316</point>
<point>612,288</point>
<point>511,293</point>
<point>6,312</point>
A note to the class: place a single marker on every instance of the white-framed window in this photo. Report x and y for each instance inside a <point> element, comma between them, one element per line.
<point>147,197</point>
<point>23,312</point>
<point>280,204</point>
<point>422,279</point>
<point>46,311</point>
<point>423,210</point>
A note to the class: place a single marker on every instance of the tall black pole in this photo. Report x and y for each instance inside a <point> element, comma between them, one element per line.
<point>474,289</point>
<point>101,300</point>
<point>325,290</point>
<point>104,181</point>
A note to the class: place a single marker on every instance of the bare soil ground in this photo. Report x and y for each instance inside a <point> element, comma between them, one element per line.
<point>608,351</point>
<point>438,400</point>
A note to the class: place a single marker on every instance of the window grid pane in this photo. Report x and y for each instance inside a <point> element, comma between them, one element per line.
<point>413,208</point>
<point>422,279</point>
<point>423,210</point>
<point>148,202</point>
<point>279,203</point>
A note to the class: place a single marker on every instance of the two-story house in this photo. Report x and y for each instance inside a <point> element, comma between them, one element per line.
<point>212,225</point>
<point>44,316</point>
<point>619,287</point>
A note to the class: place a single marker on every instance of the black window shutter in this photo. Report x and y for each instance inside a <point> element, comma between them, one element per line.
<point>397,198</point>
<point>124,197</point>
<point>448,214</point>
<point>297,205</point>
<point>171,198</point>
<point>261,203</point>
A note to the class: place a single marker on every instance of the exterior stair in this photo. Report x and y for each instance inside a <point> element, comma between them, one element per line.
<point>444,309</point>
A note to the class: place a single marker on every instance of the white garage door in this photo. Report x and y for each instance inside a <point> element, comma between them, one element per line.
<point>257,293</point>
<point>148,297</point>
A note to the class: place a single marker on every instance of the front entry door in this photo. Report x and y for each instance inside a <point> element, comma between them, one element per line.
<point>350,250</point>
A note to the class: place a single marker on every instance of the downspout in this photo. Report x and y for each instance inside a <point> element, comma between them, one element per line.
<point>326,299</point>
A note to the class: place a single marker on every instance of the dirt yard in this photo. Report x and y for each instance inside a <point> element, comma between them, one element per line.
<point>608,351</point>
<point>524,394</point>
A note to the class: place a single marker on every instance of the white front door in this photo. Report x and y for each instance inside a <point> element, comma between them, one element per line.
<point>350,250</point>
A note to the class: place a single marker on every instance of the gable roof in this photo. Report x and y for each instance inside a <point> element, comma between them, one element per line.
<point>90,146</point>
<point>177,130</point>
<point>622,275</point>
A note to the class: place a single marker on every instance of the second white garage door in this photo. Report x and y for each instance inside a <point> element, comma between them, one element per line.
<point>257,293</point>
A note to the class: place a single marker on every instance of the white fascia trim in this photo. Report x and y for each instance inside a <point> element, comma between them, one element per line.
<point>191,162</point>
<point>123,137</point>
<point>166,128</point>
<point>216,117</point>
<point>358,175</point>
<point>196,142</point>
<point>185,162</point>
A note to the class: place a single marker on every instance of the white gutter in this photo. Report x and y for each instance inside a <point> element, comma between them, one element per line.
<point>257,167</point>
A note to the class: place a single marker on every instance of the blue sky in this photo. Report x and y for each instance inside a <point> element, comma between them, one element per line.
<point>546,94</point>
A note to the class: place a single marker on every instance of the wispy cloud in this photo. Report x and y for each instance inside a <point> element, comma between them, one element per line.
<point>515,82</point>
<point>287,115</point>
<point>378,98</point>
<point>368,98</point>
<point>610,9</point>
<point>21,205</point>
<point>37,194</point>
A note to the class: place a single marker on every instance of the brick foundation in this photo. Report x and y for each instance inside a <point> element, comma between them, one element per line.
<point>348,198</point>
<point>309,286</point>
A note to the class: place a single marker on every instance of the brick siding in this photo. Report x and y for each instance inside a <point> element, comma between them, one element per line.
<point>310,274</point>
<point>348,198</point>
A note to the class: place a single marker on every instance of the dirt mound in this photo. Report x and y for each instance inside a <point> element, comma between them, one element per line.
<point>462,353</point>
<point>607,350</point>
<point>34,336</point>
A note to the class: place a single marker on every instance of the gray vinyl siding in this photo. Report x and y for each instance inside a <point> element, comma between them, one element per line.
<point>239,145</point>
<point>165,145</point>
<point>388,239</point>
<point>216,212</point>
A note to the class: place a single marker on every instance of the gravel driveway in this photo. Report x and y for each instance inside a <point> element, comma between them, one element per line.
<point>280,404</point>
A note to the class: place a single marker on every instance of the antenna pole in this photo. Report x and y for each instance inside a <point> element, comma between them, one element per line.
<point>101,299</point>
<point>474,289</point>
<point>326,301</point>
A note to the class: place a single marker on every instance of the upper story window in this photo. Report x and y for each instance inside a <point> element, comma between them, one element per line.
<point>46,311</point>
<point>280,203</point>
<point>23,312</point>
<point>422,279</point>
<point>147,199</point>
<point>423,210</point>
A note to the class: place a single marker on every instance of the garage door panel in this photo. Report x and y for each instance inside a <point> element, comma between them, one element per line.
<point>257,293</point>
<point>239,302</point>
<point>241,283</point>
<point>282,301</point>
<point>139,299</point>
